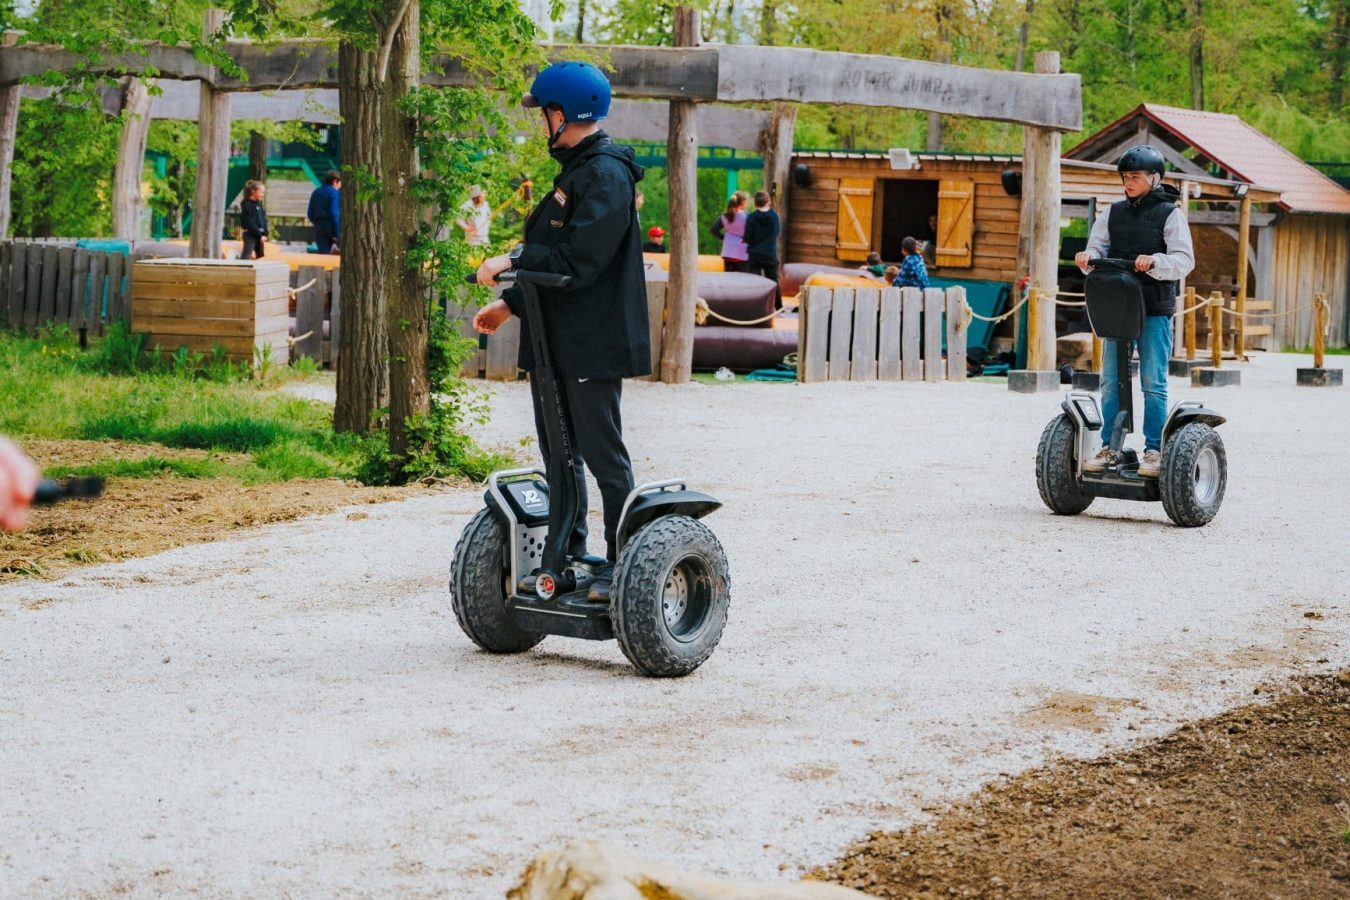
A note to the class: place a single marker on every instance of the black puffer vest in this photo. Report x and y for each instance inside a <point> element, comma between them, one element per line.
<point>1136,229</point>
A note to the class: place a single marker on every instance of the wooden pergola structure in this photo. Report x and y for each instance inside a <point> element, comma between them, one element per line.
<point>688,77</point>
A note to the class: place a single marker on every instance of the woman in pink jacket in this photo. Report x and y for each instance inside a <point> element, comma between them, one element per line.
<point>730,230</point>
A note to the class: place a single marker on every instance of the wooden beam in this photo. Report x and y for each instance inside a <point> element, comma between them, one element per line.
<point>1229,217</point>
<point>1175,158</point>
<point>126,200</point>
<point>777,149</point>
<point>718,126</point>
<point>213,161</point>
<point>1244,235</point>
<point>166,60</point>
<point>9,132</point>
<point>677,353</point>
<point>1044,151</point>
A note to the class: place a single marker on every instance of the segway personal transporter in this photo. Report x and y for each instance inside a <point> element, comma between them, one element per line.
<point>1194,469</point>
<point>671,590</point>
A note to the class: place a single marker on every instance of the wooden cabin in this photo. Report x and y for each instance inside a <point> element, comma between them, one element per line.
<point>1299,244</point>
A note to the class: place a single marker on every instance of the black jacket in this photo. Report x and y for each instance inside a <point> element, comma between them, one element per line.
<point>587,227</point>
<point>253,218</point>
<point>761,235</point>
<point>1136,229</point>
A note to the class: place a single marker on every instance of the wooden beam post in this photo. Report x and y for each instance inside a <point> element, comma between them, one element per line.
<point>1044,254</point>
<point>126,206</point>
<point>1190,322</point>
<point>777,149</point>
<point>1178,321</point>
<point>1244,244</point>
<point>213,160</point>
<point>9,130</point>
<point>677,353</point>
<point>1216,328</point>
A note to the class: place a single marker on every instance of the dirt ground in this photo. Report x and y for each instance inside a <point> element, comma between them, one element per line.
<point>1252,803</point>
<point>143,516</point>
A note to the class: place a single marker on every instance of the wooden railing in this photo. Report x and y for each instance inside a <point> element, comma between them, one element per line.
<point>51,281</point>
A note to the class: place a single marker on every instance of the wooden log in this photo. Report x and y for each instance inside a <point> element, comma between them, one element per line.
<point>65,273</point>
<point>1216,328</point>
<point>888,336</point>
<point>213,160</point>
<point>814,361</point>
<point>1240,305</point>
<point>1190,322</point>
<point>933,302</point>
<point>841,333</point>
<point>777,150</point>
<point>126,199</point>
<point>47,297</point>
<point>956,333</point>
<point>18,281</point>
<point>334,319</point>
<point>309,314</point>
<point>864,350</point>
<point>503,352</point>
<point>79,291</point>
<point>682,181</point>
<point>97,292</point>
<point>656,323</point>
<point>911,314</point>
<point>1044,194</point>
<point>9,131</point>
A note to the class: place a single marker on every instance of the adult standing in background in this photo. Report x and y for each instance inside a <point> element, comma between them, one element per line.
<point>324,215</point>
<point>476,218</point>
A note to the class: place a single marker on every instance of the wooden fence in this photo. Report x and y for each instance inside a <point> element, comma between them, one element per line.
<point>51,281</point>
<point>882,334</point>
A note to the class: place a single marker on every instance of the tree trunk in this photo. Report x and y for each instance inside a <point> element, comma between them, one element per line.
<point>9,130</point>
<point>406,311</point>
<point>768,23</point>
<point>936,126</point>
<point>1197,56</point>
<point>363,368</point>
<point>581,22</point>
<point>677,351</point>
<point>213,160</point>
<point>126,209</point>
<point>1338,39</point>
<point>257,156</point>
<point>1023,33</point>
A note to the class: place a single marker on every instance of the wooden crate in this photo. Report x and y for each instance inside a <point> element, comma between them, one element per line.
<point>199,303</point>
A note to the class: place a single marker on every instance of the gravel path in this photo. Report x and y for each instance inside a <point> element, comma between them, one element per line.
<point>294,713</point>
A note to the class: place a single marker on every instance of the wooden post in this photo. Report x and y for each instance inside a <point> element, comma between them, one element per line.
<point>1216,328</point>
<point>9,130</point>
<point>777,150</point>
<point>1044,258</point>
<point>1190,323</point>
<point>1185,207</point>
<point>1096,354</point>
<point>677,354</point>
<point>1244,230</point>
<point>213,160</point>
<point>1319,329</point>
<point>1034,312</point>
<point>126,206</point>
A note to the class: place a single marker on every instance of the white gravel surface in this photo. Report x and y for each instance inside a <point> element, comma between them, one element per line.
<point>295,713</point>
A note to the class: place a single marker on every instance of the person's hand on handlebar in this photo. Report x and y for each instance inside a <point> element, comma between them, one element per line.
<point>1143,263</point>
<point>1083,261</point>
<point>488,319</point>
<point>491,268</point>
<point>18,482</point>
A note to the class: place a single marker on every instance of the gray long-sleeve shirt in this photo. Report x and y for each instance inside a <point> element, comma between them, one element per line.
<point>1172,265</point>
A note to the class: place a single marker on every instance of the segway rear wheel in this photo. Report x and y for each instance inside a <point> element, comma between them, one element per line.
<point>1194,475</point>
<point>670,597</point>
<point>1057,468</point>
<point>479,582</point>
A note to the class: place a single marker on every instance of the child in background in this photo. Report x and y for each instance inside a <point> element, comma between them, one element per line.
<point>913,273</point>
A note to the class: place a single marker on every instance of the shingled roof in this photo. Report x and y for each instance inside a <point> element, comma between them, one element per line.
<point>1233,145</point>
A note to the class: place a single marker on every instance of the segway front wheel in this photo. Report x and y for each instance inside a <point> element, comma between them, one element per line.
<point>478,586</point>
<point>670,597</point>
<point>1193,475</point>
<point>1057,469</point>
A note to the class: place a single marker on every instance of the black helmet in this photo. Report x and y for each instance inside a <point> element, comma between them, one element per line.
<point>1144,158</point>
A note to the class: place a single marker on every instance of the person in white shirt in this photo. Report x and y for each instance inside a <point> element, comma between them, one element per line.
<point>1148,226</point>
<point>476,219</point>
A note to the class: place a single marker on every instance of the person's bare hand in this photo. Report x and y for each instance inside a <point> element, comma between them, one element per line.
<point>1143,263</point>
<point>1082,259</point>
<point>490,318</point>
<point>18,481</point>
<point>491,268</point>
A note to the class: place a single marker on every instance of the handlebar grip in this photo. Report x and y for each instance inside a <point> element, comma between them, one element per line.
<point>51,490</point>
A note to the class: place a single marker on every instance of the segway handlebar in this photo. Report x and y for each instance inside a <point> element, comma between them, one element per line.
<point>51,490</point>
<point>1111,262</point>
<point>525,276</point>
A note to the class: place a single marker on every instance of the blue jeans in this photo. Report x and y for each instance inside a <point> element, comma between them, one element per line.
<point>1155,348</point>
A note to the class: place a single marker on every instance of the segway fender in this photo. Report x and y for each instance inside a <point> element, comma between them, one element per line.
<point>1188,411</point>
<point>652,505</point>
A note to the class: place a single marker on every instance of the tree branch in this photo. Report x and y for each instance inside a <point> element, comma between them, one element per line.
<point>387,45</point>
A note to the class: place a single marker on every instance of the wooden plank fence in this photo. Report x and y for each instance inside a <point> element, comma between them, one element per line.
<point>889,334</point>
<point>50,281</point>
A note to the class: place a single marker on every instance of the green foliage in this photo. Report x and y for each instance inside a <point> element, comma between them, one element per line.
<point>64,155</point>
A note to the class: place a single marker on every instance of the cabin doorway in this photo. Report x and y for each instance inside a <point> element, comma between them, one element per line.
<point>906,205</point>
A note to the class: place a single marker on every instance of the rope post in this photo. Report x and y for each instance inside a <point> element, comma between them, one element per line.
<point>1096,353</point>
<point>1190,323</point>
<point>1319,329</point>
<point>1216,328</point>
<point>1033,325</point>
<point>1318,376</point>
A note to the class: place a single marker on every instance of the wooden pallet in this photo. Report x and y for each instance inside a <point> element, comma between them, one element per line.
<point>882,334</point>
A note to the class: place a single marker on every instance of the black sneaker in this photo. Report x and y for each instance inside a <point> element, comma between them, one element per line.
<point>602,585</point>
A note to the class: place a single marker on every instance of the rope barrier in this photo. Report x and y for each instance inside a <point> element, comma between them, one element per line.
<point>702,312</point>
<point>1190,309</point>
<point>972,314</point>
<point>1269,315</point>
<point>291,292</point>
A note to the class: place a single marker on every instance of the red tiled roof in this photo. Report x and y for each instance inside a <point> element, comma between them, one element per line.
<point>1246,153</point>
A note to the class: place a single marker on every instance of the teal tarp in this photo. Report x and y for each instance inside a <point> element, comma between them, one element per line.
<point>988,298</point>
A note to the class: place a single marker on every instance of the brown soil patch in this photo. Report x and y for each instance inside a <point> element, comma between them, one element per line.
<point>141,516</point>
<point>1253,803</point>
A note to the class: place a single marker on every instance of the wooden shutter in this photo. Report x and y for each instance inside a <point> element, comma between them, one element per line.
<point>956,223</point>
<point>853,229</point>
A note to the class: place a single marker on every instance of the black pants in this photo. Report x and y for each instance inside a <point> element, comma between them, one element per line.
<point>324,239</point>
<point>253,247</point>
<point>597,443</point>
<point>769,269</point>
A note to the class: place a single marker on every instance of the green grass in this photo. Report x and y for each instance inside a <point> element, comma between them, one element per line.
<point>54,390</point>
<point>1329,351</point>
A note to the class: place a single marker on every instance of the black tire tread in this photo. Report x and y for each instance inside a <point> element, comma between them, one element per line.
<point>1174,479</point>
<point>1055,475</point>
<point>639,576</point>
<point>476,587</point>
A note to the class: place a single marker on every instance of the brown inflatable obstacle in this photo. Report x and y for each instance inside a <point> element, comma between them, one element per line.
<point>755,338</point>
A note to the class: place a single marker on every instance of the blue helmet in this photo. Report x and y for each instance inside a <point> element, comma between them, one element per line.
<point>579,89</point>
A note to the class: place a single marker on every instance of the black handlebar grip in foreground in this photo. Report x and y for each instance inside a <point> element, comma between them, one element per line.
<point>524,276</point>
<point>51,490</point>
